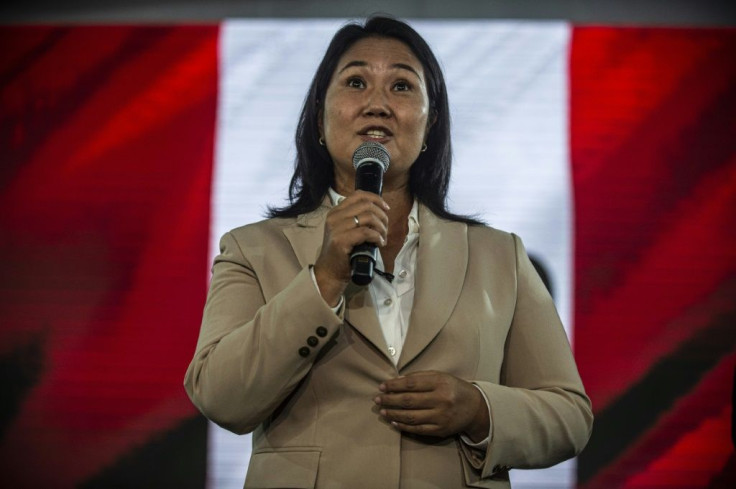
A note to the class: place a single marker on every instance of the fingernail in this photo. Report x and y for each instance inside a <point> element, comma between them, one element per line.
<point>386,206</point>
<point>382,387</point>
<point>383,412</point>
<point>377,400</point>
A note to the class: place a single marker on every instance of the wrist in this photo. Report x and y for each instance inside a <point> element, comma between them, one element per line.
<point>330,288</point>
<point>480,425</point>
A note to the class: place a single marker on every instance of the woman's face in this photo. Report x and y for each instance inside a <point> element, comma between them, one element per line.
<point>377,93</point>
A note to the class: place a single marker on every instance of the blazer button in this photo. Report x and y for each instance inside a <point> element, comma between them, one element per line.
<point>304,351</point>
<point>312,341</point>
<point>321,331</point>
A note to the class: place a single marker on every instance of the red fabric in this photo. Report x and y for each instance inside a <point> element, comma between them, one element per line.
<point>108,135</point>
<point>653,156</point>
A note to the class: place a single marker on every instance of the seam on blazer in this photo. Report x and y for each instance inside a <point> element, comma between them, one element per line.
<point>515,242</point>
<point>240,248</point>
<point>317,404</point>
<point>247,264</point>
<point>476,330</point>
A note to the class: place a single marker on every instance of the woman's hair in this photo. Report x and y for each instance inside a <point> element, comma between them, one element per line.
<point>429,177</point>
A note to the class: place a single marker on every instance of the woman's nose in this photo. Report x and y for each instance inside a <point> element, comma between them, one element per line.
<point>377,104</point>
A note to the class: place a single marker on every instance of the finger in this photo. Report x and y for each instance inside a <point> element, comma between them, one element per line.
<point>411,417</point>
<point>414,382</point>
<point>345,226</point>
<point>365,235</point>
<point>370,220</point>
<point>342,232</point>
<point>362,195</point>
<point>406,401</point>
<point>417,422</point>
<point>365,202</point>
<point>420,429</point>
<point>362,215</point>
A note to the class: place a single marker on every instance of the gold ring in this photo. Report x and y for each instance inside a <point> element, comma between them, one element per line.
<point>357,222</point>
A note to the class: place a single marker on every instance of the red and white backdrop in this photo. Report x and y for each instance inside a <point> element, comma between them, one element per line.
<point>127,150</point>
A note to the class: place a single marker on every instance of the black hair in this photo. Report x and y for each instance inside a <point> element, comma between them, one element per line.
<point>429,177</point>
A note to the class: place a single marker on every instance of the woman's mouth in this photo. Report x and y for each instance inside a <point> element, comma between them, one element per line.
<point>375,134</point>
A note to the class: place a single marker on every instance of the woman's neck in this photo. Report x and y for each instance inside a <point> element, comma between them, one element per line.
<point>400,202</point>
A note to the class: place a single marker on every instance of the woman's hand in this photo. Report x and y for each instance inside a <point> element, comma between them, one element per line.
<point>434,403</point>
<point>359,218</point>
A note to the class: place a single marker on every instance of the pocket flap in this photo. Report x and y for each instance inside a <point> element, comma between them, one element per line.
<point>287,468</point>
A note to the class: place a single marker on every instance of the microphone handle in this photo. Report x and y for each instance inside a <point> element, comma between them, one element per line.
<point>368,177</point>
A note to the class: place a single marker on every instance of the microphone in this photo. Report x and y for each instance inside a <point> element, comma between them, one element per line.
<point>371,161</point>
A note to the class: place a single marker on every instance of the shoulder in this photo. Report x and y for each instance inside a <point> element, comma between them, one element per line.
<point>489,236</point>
<point>276,231</point>
<point>242,242</point>
<point>262,229</point>
<point>496,245</point>
<point>479,236</point>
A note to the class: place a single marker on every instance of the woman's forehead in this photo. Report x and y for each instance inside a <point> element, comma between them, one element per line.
<point>380,53</point>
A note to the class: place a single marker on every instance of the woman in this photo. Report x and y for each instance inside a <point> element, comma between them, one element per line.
<point>449,369</point>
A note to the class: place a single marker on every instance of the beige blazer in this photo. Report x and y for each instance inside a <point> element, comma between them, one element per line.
<point>480,313</point>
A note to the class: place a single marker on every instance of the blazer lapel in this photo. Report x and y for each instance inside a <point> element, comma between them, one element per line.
<point>361,315</point>
<point>306,234</point>
<point>442,260</point>
<point>305,237</point>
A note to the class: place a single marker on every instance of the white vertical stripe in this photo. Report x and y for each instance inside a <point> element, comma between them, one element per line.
<point>507,84</point>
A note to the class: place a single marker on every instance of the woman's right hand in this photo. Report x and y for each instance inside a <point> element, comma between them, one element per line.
<point>342,234</point>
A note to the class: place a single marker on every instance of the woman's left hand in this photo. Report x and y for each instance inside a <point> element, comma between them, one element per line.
<point>435,404</point>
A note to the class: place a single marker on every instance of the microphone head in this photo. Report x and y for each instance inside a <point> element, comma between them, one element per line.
<point>371,151</point>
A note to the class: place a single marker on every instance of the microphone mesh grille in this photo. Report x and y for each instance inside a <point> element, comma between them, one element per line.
<point>371,151</point>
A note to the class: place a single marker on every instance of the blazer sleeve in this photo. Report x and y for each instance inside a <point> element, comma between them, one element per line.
<point>540,413</point>
<point>247,358</point>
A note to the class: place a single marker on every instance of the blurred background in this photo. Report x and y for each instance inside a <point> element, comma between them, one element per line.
<point>134,133</point>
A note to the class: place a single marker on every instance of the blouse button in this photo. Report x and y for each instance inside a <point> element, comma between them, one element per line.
<point>387,302</point>
<point>403,273</point>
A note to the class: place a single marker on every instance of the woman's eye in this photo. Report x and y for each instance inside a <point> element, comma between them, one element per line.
<point>355,83</point>
<point>402,86</point>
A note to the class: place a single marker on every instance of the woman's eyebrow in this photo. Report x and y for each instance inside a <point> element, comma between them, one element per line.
<point>401,66</point>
